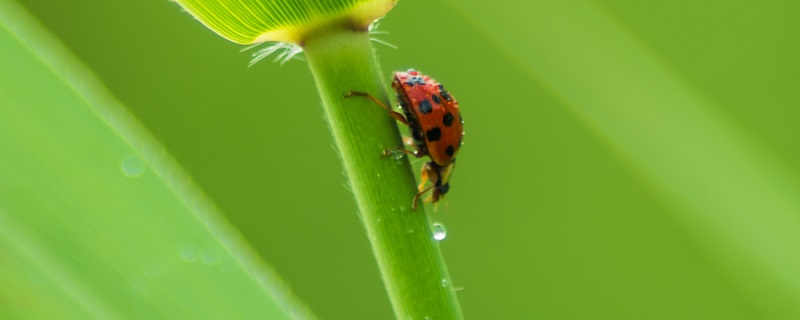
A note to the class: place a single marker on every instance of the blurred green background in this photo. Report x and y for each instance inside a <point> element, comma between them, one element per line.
<point>562,206</point>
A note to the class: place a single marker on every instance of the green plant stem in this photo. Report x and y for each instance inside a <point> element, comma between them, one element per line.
<point>409,258</point>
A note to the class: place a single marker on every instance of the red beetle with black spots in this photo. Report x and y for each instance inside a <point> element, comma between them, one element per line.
<point>436,127</point>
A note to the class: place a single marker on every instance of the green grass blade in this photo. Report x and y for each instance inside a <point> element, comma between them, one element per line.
<point>96,220</point>
<point>739,199</point>
<point>254,21</point>
<point>413,269</point>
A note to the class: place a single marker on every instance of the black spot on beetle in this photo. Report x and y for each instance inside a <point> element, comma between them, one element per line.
<point>425,106</point>
<point>448,119</point>
<point>450,151</point>
<point>415,80</point>
<point>436,99</point>
<point>434,134</point>
<point>444,93</point>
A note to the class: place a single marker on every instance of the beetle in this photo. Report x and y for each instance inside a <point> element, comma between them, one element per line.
<point>436,126</point>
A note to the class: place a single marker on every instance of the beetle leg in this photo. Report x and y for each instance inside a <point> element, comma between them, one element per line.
<point>396,115</point>
<point>416,197</point>
<point>429,172</point>
<point>423,178</point>
<point>393,151</point>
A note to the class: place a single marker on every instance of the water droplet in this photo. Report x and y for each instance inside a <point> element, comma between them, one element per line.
<point>379,174</point>
<point>444,282</point>
<point>132,166</point>
<point>439,232</point>
<point>410,230</point>
<point>395,154</point>
<point>189,253</point>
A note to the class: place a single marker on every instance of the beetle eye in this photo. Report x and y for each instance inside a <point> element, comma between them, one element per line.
<point>443,189</point>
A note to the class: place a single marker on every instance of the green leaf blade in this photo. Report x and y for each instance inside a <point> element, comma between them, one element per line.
<point>253,21</point>
<point>96,220</point>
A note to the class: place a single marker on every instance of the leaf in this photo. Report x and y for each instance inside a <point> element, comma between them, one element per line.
<point>255,21</point>
<point>96,220</point>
